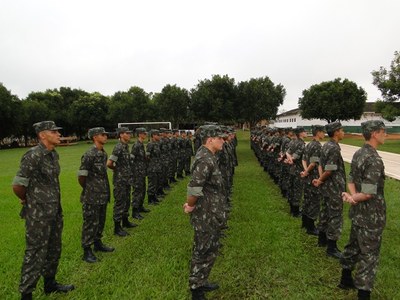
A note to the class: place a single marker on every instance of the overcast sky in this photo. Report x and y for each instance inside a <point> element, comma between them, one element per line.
<point>109,46</point>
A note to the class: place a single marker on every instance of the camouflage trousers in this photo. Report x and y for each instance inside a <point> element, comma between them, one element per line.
<point>296,189</point>
<point>180,166</point>
<point>164,173</point>
<point>334,206</point>
<point>94,219</point>
<point>42,253</point>
<point>284,178</point>
<point>153,183</point>
<point>362,253</point>
<point>323,216</point>
<point>139,191</point>
<point>122,202</point>
<point>186,164</point>
<point>311,201</point>
<point>172,167</point>
<point>205,252</point>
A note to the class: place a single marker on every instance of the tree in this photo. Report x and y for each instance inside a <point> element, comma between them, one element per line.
<point>213,100</point>
<point>33,112</point>
<point>89,111</point>
<point>10,112</point>
<point>335,100</point>
<point>388,82</point>
<point>173,104</point>
<point>131,106</point>
<point>258,99</point>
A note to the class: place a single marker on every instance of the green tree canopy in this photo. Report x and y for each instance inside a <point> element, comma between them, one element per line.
<point>213,100</point>
<point>336,100</point>
<point>258,99</point>
<point>131,106</point>
<point>388,82</point>
<point>10,112</point>
<point>173,104</point>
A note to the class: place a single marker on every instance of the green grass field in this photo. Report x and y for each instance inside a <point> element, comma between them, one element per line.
<point>265,255</point>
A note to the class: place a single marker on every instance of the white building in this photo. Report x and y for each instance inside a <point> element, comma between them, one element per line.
<point>292,118</point>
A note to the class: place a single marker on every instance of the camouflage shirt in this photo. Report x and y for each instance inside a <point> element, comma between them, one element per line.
<point>368,174</point>
<point>207,185</point>
<point>94,168</point>
<point>331,160</point>
<point>189,147</point>
<point>38,173</point>
<point>312,153</point>
<point>122,159</point>
<point>154,155</point>
<point>296,149</point>
<point>139,159</point>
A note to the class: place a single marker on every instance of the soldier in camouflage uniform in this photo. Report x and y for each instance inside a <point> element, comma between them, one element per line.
<point>92,177</point>
<point>332,184</point>
<point>165,161</point>
<point>37,186</point>
<point>284,175</point>
<point>294,156</point>
<point>181,154</point>
<point>188,153</point>
<point>174,155</point>
<point>154,168</point>
<point>312,195</point>
<point>139,167</point>
<point>367,212</point>
<point>205,202</point>
<point>120,163</point>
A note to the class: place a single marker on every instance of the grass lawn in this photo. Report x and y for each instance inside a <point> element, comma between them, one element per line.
<point>265,255</point>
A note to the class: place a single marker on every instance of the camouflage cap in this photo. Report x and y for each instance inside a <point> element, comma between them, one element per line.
<point>299,130</point>
<point>175,130</point>
<point>45,125</point>
<point>182,131</point>
<point>162,130</point>
<point>95,131</point>
<point>154,132</point>
<point>211,131</point>
<point>371,126</point>
<point>123,129</point>
<point>317,128</point>
<point>141,130</point>
<point>332,127</point>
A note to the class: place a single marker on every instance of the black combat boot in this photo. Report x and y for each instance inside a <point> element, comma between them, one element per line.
<point>118,229</point>
<point>322,242</point>
<point>136,214</point>
<point>198,294</point>
<point>152,200</point>
<point>304,221</point>
<point>364,295</point>
<point>296,212</point>
<point>160,192</point>
<point>332,249</point>
<point>144,210</point>
<point>88,255</point>
<point>127,224</point>
<point>311,230</point>
<point>346,281</point>
<point>27,296</point>
<point>100,247</point>
<point>208,287</point>
<point>179,176</point>
<point>172,179</point>
<point>52,286</point>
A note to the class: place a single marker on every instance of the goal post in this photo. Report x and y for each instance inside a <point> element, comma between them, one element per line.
<point>148,125</point>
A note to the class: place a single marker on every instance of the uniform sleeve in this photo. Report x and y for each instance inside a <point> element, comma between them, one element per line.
<point>315,154</point>
<point>29,163</point>
<point>371,176</point>
<point>116,152</point>
<point>86,162</point>
<point>333,157</point>
<point>299,151</point>
<point>201,171</point>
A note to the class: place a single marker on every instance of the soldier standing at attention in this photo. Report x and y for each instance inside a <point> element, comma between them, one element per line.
<point>120,163</point>
<point>312,195</point>
<point>205,201</point>
<point>367,212</point>
<point>332,184</point>
<point>188,153</point>
<point>154,167</point>
<point>139,166</point>
<point>92,177</point>
<point>38,188</point>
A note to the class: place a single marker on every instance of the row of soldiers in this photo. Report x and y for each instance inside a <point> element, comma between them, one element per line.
<point>166,157</point>
<point>314,175</point>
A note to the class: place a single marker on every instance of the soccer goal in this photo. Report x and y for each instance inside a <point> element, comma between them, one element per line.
<point>148,125</point>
